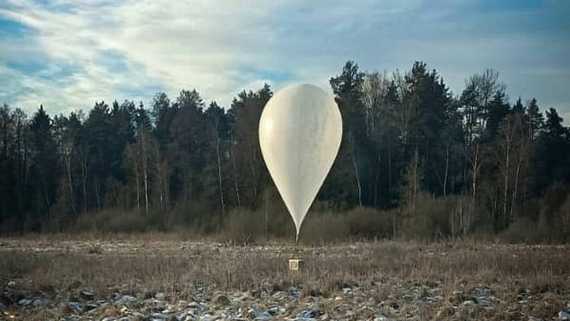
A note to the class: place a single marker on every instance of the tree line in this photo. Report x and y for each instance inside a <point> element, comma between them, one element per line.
<point>406,137</point>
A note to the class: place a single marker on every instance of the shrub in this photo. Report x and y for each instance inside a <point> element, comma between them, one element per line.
<point>564,216</point>
<point>323,227</point>
<point>243,226</point>
<point>461,219</point>
<point>113,220</point>
<point>528,232</point>
<point>194,215</point>
<point>370,223</point>
<point>428,220</point>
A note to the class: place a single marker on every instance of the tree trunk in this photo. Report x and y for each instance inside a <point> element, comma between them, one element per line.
<point>376,179</point>
<point>145,171</point>
<point>521,159</point>
<point>84,179</point>
<point>137,177</point>
<point>475,169</point>
<point>356,174</point>
<point>506,185</point>
<point>495,210</point>
<point>446,169</point>
<point>97,197</point>
<point>515,191</point>
<point>415,181</point>
<point>46,196</point>
<point>165,187</point>
<point>236,185</point>
<point>70,182</point>
<point>220,185</point>
<point>161,178</point>
<point>253,175</point>
<point>389,176</point>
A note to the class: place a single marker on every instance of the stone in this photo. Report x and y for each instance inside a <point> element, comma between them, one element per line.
<point>485,303</point>
<point>307,314</point>
<point>276,310</point>
<point>76,307</point>
<point>257,315</point>
<point>469,303</point>
<point>380,317</point>
<point>40,302</point>
<point>90,306</point>
<point>24,302</point>
<point>159,317</point>
<point>125,299</point>
<point>348,288</point>
<point>220,300</point>
<point>87,295</point>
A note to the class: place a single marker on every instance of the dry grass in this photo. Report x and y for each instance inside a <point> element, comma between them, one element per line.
<point>142,265</point>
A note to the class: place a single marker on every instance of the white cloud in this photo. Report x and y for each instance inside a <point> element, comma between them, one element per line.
<point>117,50</point>
<point>174,44</point>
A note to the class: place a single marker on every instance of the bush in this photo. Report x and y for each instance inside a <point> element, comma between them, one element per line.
<point>243,226</point>
<point>370,223</point>
<point>564,216</point>
<point>195,215</point>
<point>461,219</point>
<point>323,227</point>
<point>528,232</point>
<point>429,220</point>
<point>113,220</point>
<point>542,220</point>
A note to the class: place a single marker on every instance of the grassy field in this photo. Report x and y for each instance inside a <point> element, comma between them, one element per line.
<point>44,277</point>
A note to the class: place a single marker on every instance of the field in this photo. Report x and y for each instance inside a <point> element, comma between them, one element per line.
<point>165,277</point>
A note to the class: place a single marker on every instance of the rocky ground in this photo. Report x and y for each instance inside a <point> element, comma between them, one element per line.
<point>164,279</point>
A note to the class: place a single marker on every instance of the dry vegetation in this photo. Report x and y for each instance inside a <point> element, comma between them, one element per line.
<point>400,280</point>
<point>433,220</point>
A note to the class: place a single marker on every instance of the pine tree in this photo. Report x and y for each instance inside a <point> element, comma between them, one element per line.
<point>552,152</point>
<point>45,168</point>
<point>535,119</point>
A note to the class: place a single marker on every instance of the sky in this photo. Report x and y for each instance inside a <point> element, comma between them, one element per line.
<point>68,54</point>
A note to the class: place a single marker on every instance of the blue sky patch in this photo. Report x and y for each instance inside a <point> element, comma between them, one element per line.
<point>498,5</point>
<point>278,76</point>
<point>9,28</point>
<point>115,62</point>
<point>130,92</point>
<point>273,75</point>
<point>27,66</point>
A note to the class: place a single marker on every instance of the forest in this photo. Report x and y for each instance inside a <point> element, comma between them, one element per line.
<point>416,161</point>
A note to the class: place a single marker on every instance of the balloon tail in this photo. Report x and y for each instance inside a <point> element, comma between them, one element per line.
<point>297,238</point>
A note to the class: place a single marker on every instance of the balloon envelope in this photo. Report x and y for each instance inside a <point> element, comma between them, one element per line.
<point>300,131</point>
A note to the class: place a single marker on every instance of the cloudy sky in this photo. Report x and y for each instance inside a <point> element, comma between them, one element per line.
<point>67,54</point>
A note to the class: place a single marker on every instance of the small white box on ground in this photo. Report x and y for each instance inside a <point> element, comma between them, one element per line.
<point>295,264</point>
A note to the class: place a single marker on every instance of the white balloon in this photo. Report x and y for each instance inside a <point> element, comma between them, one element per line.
<point>300,131</point>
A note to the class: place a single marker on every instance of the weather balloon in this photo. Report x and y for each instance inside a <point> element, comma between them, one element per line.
<point>300,131</point>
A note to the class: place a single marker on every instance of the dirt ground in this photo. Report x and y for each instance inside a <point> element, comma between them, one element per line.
<point>161,277</point>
